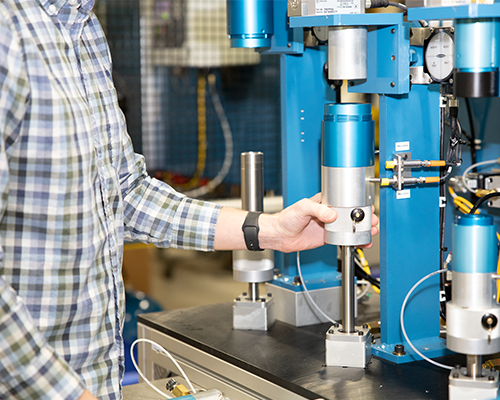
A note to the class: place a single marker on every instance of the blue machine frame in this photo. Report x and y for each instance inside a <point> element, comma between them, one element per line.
<point>409,234</point>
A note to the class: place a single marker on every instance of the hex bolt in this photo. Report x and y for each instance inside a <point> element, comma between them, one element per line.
<point>399,350</point>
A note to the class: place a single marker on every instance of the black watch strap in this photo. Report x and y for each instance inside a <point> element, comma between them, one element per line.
<point>251,231</point>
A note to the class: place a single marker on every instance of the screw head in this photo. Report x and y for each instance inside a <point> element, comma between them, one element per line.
<point>244,293</point>
<point>365,326</point>
<point>269,295</point>
<point>393,31</point>
<point>491,378</point>
<point>336,324</point>
<point>330,331</point>
<point>360,333</point>
<point>455,375</point>
<point>238,299</point>
<point>393,84</point>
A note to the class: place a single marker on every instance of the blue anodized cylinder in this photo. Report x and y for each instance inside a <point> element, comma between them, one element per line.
<point>474,244</point>
<point>348,138</point>
<point>473,298</point>
<point>347,164</point>
<point>250,23</point>
<point>476,42</point>
<point>476,70</point>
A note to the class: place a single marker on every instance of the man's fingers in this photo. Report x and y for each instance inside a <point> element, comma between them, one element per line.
<point>311,208</point>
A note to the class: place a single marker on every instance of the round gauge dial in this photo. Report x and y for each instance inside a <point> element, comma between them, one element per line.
<point>321,33</point>
<point>439,56</point>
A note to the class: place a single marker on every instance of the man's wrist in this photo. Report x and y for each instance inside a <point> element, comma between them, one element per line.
<point>268,238</point>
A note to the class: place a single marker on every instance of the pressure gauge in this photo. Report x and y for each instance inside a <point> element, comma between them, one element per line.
<point>439,55</point>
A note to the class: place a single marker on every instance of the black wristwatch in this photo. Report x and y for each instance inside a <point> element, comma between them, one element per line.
<point>251,231</point>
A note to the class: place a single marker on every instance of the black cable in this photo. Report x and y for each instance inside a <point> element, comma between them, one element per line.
<point>473,154</point>
<point>442,210</point>
<point>362,274</point>
<point>482,200</point>
<point>472,133</point>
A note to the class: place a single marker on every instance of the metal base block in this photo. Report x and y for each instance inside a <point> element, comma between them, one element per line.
<point>294,308</point>
<point>348,349</point>
<point>253,315</point>
<point>462,387</point>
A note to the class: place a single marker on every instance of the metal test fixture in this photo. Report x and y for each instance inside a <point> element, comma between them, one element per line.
<point>419,68</point>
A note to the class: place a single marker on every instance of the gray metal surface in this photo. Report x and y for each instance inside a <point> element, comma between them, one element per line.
<point>347,187</point>
<point>347,52</point>
<point>252,181</point>
<point>473,296</point>
<point>346,233</point>
<point>294,308</point>
<point>253,314</point>
<point>348,349</point>
<point>284,363</point>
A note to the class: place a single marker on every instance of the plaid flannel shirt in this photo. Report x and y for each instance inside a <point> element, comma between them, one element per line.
<point>71,191</point>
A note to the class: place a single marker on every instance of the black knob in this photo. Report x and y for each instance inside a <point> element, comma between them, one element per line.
<point>489,321</point>
<point>357,215</point>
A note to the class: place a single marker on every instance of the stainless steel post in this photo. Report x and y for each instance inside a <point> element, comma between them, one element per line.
<point>252,181</point>
<point>253,291</point>
<point>348,289</point>
<point>474,366</point>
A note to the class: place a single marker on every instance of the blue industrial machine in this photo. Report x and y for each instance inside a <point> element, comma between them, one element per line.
<point>419,73</point>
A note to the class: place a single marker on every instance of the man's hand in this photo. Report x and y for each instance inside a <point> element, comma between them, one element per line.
<point>300,226</point>
<point>87,396</point>
<point>296,228</point>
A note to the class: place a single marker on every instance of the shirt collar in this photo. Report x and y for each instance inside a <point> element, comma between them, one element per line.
<point>52,7</point>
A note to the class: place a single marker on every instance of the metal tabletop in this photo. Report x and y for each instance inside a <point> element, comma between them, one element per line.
<point>293,357</point>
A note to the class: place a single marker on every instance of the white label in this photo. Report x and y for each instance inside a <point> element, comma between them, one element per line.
<point>402,146</point>
<point>324,7</point>
<point>403,194</point>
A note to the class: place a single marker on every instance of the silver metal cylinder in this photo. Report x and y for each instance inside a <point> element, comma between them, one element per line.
<point>253,291</point>
<point>250,266</point>
<point>348,290</point>
<point>252,181</point>
<point>347,187</point>
<point>347,52</point>
<point>473,290</point>
<point>474,366</point>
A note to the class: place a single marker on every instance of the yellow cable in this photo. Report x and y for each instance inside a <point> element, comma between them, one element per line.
<point>366,267</point>
<point>202,135</point>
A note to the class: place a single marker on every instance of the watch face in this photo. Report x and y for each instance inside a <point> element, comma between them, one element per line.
<point>439,56</point>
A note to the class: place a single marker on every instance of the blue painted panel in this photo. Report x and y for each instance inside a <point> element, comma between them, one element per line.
<point>346,19</point>
<point>304,94</point>
<point>409,234</point>
<point>388,58</point>
<point>472,10</point>
<point>285,40</point>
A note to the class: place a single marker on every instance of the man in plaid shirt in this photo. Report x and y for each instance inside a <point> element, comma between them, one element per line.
<point>72,190</point>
